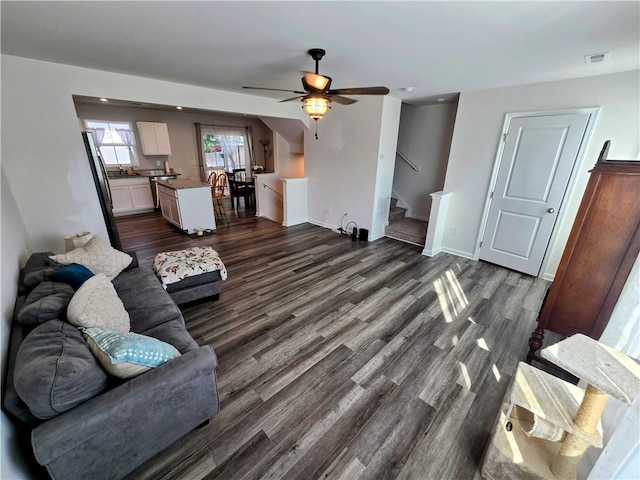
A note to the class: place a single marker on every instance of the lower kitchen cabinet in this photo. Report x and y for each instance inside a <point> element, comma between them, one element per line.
<point>131,195</point>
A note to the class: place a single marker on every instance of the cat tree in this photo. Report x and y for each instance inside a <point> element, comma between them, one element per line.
<point>546,424</point>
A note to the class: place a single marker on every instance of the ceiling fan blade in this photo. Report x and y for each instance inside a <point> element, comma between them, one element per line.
<point>360,91</point>
<point>341,100</point>
<point>293,98</point>
<point>276,90</point>
<point>314,82</point>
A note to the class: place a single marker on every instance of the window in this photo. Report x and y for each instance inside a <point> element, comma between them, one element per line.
<point>213,152</point>
<point>115,140</point>
<point>224,148</point>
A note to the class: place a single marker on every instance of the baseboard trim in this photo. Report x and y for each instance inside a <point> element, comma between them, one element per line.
<point>459,253</point>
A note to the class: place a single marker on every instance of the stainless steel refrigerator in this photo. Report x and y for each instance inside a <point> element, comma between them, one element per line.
<point>102,186</point>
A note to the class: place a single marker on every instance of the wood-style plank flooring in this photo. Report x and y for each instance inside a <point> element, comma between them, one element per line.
<point>343,359</point>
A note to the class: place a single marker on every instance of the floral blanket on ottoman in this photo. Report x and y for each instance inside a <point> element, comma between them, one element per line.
<point>171,267</point>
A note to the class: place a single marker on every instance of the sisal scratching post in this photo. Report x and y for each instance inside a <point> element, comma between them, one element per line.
<point>565,464</point>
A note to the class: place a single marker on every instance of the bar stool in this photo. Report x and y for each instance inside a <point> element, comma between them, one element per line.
<point>217,192</point>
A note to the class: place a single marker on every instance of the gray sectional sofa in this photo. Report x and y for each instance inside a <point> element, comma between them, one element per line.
<point>88,424</point>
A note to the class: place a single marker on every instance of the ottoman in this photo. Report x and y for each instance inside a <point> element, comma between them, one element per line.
<point>191,274</point>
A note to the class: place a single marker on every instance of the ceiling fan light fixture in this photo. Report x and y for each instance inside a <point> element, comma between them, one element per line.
<point>316,106</point>
<point>316,81</point>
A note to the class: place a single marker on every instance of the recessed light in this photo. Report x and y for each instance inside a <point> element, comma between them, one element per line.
<point>408,89</point>
<point>104,100</point>
<point>178,108</point>
<point>440,99</point>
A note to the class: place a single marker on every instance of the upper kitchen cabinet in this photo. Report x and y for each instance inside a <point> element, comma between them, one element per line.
<point>154,138</point>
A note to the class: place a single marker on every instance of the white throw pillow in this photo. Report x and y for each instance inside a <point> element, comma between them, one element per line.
<point>98,257</point>
<point>96,304</point>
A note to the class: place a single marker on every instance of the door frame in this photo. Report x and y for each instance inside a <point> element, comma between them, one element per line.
<point>563,216</point>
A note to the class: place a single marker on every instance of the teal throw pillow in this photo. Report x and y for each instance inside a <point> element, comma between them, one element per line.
<point>74,275</point>
<point>126,355</point>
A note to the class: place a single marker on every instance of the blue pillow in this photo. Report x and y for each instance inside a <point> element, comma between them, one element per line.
<point>126,355</point>
<point>73,274</point>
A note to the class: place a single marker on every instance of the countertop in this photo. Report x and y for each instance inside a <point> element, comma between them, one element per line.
<point>180,184</point>
<point>115,174</point>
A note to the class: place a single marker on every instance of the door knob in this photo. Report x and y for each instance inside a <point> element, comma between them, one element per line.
<point>551,210</point>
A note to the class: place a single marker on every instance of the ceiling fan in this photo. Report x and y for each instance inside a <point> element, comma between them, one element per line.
<point>318,95</point>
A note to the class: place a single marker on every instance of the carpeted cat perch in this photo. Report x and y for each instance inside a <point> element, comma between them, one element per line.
<point>546,424</point>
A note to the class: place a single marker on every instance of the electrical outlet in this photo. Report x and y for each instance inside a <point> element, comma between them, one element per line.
<point>453,231</point>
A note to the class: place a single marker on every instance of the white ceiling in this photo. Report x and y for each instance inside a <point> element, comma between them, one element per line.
<point>438,48</point>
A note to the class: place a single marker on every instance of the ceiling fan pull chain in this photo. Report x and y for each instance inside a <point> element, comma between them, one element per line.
<point>316,122</point>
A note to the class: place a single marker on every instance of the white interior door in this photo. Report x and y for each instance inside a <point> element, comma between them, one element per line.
<point>537,159</point>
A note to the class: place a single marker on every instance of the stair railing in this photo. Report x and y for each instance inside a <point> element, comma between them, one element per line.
<point>407,161</point>
<point>264,185</point>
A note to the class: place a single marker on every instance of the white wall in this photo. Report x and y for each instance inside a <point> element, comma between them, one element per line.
<point>42,150</point>
<point>182,133</point>
<point>269,197</point>
<point>424,138</point>
<point>341,164</point>
<point>476,135</point>
<point>390,121</point>
<point>16,247</point>
<point>288,164</point>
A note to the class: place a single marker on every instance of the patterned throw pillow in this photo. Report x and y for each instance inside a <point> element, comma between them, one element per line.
<point>98,257</point>
<point>96,304</point>
<point>126,355</point>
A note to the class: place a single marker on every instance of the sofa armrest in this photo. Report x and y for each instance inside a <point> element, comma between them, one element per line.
<point>113,433</point>
<point>134,261</point>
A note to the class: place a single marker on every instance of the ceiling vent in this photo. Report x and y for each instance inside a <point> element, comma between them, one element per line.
<point>597,57</point>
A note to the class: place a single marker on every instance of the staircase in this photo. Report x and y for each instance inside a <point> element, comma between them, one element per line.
<point>396,212</point>
<point>403,228</point>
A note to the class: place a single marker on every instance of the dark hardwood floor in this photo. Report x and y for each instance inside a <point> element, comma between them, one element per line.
<point>343,359</point>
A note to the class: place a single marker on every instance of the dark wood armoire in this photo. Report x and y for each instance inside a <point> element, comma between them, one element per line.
<point>603,245</point>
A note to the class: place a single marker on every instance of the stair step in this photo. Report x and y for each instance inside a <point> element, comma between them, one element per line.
<point>395,213</point>
<point>394,202</point>
<point>408,230</point>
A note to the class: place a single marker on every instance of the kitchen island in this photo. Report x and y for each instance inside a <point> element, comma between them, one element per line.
<point>187,204</point>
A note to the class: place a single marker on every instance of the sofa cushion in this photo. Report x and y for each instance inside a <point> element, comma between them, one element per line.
<point>174,333</point>
<point>127,355</point>
<point>98,257</point>
<point>39,267</point>
<point>145,300</point>
<point>74,275</point>
<point>96,304</point>
<point>49,300</point>
<point>55,370</point>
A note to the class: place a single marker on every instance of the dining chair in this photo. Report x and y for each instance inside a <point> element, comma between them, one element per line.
<point>218,196</point>
<point>212,180</point>
<point>221,185</point>
<point>235,193</point>
<point>240,174</point>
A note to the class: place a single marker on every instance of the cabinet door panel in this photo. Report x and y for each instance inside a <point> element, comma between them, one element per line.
<point>121,199</point>
<point>163,147</point>
<point>141,196</point>
<point>147,138</point>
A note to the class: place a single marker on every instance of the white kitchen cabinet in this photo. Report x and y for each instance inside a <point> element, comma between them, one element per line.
<point>169,206</point>
<point>131,195</point>
<point>141,196</point>
<point>154,138</point>
<point>187,204</point>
